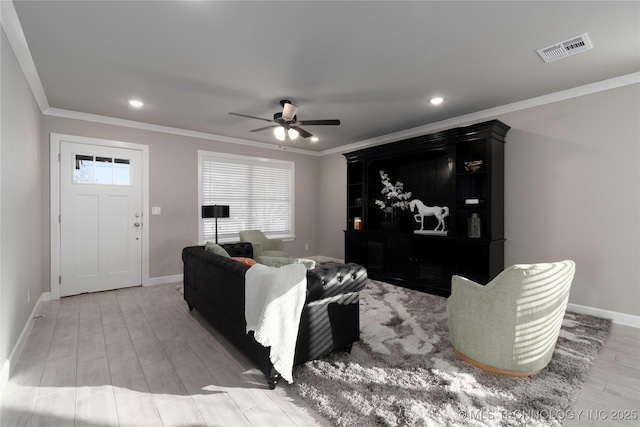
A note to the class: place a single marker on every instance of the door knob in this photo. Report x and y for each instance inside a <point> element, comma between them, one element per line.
<point>136,224</point>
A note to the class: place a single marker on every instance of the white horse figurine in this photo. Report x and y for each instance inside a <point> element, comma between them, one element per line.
<point>440,212</point>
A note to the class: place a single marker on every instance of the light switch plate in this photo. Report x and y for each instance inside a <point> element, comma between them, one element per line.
<point>156,210</point>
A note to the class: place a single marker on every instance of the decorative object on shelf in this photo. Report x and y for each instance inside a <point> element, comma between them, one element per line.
<point>474,165</point>
<point>394,198</point>
<point>440,212</point>
<point>357,223</point>
<point>474,201</point>
<point>215,211</point>
<point>359,202</point>
<point>474,226</point>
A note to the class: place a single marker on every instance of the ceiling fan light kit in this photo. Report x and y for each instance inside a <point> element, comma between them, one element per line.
<point>293,134</point>
<point>279,133</point>
<point>286,123</point>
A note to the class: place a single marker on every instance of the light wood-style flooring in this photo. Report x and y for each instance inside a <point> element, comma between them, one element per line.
<point>138,357</point>
<point>612,392</point>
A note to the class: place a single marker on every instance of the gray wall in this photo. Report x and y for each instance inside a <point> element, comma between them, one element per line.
<point>21,201</point>
<point>173,178</point>
<point>572,188</point>
<point>572,191</point>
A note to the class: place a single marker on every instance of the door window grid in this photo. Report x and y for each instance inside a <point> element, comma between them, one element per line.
<point>101,170</point>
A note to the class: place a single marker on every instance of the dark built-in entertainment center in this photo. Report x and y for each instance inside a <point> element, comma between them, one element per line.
<point>462,169</point>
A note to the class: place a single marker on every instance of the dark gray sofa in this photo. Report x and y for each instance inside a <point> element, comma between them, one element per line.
<point>330,320</point>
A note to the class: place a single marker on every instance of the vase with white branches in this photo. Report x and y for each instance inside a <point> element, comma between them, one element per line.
<point>394,198</point>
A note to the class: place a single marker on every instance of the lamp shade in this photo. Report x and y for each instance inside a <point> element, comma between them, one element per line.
<point>215,211</point>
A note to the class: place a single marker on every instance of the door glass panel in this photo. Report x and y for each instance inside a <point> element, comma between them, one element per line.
<point>83,172</point>
<point>101,170</point>
<point>104,170</point>
<point>121,171</point>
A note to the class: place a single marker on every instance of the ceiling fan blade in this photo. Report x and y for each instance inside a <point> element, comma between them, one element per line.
<point>303,133</point>
<point>250,117</point>
<point>264,128</point>
<point>289,111</point>
<point>318,122</point>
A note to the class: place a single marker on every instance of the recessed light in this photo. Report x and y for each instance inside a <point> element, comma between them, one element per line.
<point>436,100</point>
<point>315,139</point>
<point>135,103</point>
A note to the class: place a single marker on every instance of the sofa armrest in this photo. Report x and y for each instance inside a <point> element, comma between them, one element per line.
<point>324,282</point>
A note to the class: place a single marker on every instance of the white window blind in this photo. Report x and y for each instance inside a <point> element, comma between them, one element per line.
<point>259,194</point>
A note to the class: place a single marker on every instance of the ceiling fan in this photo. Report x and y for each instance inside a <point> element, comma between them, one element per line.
<point>286,123</point>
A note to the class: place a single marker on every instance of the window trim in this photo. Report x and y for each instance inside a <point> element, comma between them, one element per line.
<point>205,153</point>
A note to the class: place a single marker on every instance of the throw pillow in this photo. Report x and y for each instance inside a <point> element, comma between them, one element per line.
<point>216,249</point>
<point>248,261</point>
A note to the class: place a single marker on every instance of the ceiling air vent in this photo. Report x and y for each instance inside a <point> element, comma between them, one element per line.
<point>566,48</point>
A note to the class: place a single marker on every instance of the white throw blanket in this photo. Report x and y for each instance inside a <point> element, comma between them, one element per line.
<point>274,298</point>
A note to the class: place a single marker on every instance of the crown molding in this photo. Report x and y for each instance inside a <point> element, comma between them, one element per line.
<point>604,85</point>
<point>76,115</point>
<point>12,28</point>
<point>491,113</point>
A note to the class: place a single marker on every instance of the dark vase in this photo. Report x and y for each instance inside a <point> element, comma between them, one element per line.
<point>391,226</point>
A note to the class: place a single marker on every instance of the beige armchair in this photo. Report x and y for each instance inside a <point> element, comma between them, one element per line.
<point>262,245</point>
<point>511,325</point>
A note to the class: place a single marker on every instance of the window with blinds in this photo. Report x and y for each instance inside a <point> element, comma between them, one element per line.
<point>259,193</point>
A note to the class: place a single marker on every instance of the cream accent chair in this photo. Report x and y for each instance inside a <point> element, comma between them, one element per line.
<point>511,325</point>
<point>262,245</point>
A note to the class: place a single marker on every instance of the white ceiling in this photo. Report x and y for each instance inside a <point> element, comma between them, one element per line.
<point>373,65</point>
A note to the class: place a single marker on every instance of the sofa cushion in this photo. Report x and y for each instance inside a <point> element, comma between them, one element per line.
<point>216,249</point>
<point>245,260</point>
<point>282,261</point>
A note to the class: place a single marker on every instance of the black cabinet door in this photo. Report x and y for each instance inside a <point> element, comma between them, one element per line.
<point>356,248</point>
<point>479,261</point>
<point>400,254</point>
<point>432,261</point>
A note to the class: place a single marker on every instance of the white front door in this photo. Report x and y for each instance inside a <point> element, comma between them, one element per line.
<point>100,218</point>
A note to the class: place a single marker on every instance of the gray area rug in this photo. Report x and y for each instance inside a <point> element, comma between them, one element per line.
<point>403,371</point>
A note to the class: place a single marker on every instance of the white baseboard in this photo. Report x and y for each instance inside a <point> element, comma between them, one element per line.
<point>10,363</point>
<point>163,280</point>
<point>619,318</point>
